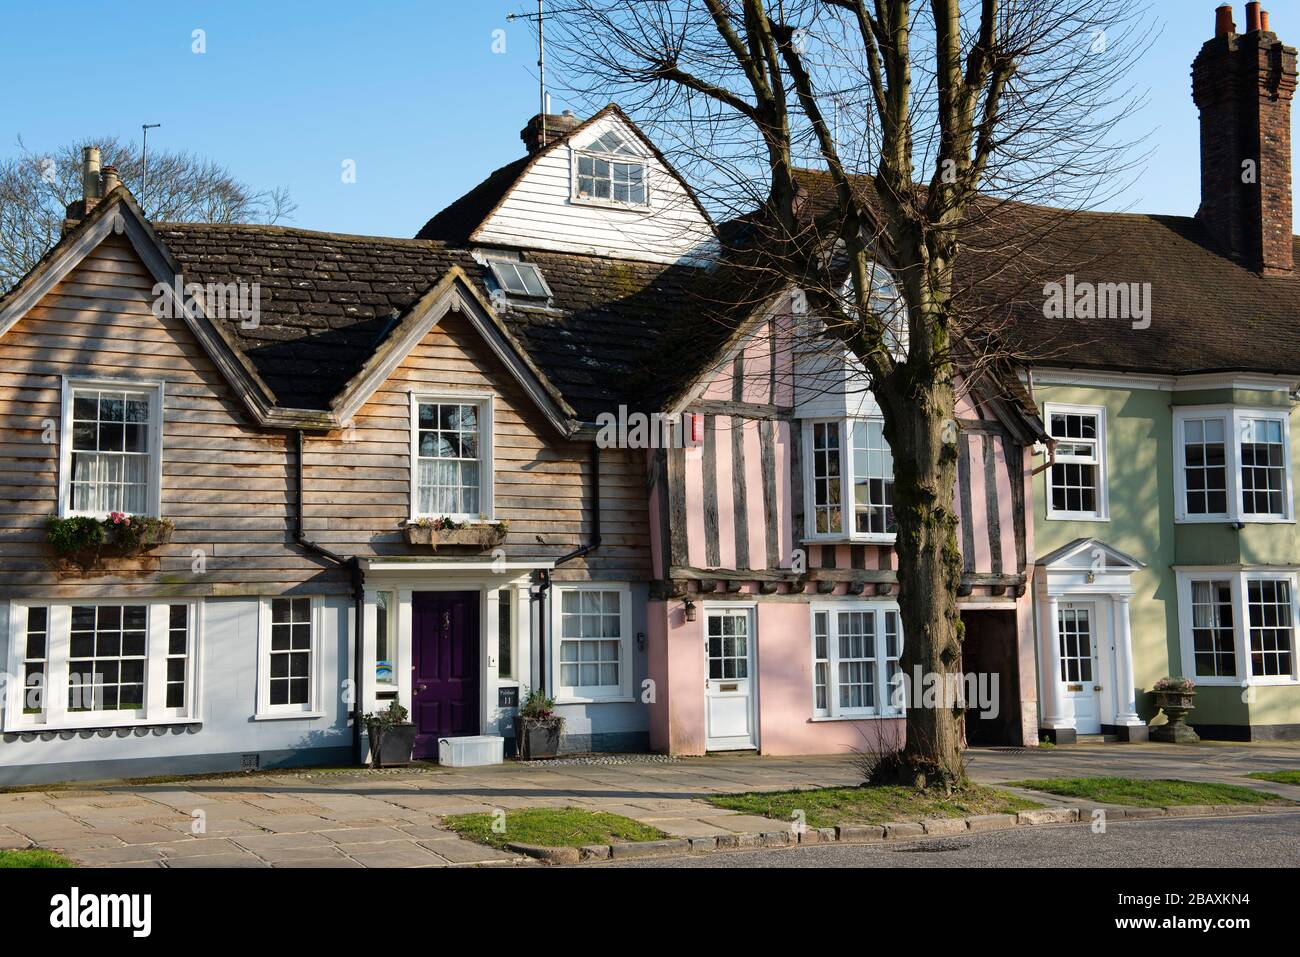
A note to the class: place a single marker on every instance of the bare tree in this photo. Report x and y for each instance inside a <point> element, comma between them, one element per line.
<point>930,124</point>
<point>36,188</point>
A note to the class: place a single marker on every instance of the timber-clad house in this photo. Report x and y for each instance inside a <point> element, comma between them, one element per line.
<point>721,593</point>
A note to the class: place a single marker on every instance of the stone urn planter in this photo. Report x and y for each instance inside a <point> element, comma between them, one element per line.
<point>481,536</point>
<point>1177,698</point>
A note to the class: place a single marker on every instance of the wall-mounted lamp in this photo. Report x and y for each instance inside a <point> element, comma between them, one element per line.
<point>689,608</point>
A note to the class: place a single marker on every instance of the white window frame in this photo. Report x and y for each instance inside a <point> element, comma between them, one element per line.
<point>312,707</point>
<point>635,157</point>
<point>833,711</point>
<point>486,429</point>
<point>1234,418</point>
<point>848,506</point>
<point>1239,579</point>
<point>55,716</point>
<point>391,623</point>
<point>623,691</point>
<point>1102,514</point>
<point>156,390</point>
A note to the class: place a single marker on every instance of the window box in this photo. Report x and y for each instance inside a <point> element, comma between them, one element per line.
<point>479,536</point>
<point>84,540</point>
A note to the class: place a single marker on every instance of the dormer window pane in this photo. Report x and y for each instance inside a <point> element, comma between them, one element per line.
<point>519,279</point>
<point>622,182</point>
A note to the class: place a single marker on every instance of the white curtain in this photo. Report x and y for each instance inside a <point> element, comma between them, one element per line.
<point>110,482</point>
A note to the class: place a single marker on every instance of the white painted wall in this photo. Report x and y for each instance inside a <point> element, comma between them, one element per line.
<point>540,211</point>
<point>227,681</point>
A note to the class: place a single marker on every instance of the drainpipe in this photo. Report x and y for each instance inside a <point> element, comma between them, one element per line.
<point>544,577</point>
<point>358,578</point>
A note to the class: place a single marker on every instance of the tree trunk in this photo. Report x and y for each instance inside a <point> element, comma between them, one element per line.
<point>922,432</point>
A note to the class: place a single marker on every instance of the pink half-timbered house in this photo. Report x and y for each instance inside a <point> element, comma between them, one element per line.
<point>775,625</point>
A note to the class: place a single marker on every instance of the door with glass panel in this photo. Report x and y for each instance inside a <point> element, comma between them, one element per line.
<point>1077,624</point>
<point>729,712</point>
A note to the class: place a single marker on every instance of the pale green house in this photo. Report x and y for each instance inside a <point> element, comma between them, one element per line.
<point>1167,368</point>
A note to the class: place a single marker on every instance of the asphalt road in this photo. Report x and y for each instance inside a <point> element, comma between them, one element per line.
<point>1266,840</point>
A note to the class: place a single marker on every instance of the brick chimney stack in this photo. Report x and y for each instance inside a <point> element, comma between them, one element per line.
<point>1243,85</point>
<point>557,125</point>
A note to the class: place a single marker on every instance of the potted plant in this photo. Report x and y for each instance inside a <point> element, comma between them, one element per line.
<point>1176,697</point>
<point>392,737</point>
<point>445,530</point>
<point>538,727</point>
<point>85,540</point>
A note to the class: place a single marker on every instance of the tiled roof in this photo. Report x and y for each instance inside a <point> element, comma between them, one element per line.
<point>328,301</point>
<point>1208,313</point>
<point>457,222</point>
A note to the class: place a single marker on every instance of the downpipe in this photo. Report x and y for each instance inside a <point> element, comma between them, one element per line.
<point>358,580</point>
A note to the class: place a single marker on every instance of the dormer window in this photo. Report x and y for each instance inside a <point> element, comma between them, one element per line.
<point>519,279</point>
<point>610,170</point>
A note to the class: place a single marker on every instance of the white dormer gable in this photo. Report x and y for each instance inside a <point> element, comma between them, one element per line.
<point>602,191</point>
<point>830,382</point>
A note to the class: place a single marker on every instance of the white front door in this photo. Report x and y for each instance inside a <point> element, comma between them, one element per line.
<point>1080,675</point>
<point>729,721</point>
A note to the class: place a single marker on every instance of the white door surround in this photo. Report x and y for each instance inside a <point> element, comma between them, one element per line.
<point>1082,594</point>
<point>402,578</point>
<point>730,678</point>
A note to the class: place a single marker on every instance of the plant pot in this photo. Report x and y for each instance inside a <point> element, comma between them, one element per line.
<point>1176,706</point>
<point>395,746</point>
<point>538,739</point>
<point>481,537</point>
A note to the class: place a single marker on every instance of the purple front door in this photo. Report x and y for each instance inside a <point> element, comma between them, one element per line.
<point>444,677</point>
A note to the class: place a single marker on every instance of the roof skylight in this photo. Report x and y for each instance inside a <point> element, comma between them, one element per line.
<point>519,278</point>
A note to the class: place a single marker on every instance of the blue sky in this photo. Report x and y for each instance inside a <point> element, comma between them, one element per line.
<point>409,89</point>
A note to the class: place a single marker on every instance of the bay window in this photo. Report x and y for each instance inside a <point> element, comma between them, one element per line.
<point>1238,626</point>
<point>451,457</point>
<point>850,480</point>
<point>1232,465</point>
<point>101,664</point>
<point>110,448</point>
<point>856,650</point>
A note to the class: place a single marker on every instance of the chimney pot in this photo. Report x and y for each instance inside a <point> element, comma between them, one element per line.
<point>1263,21</point>
<point>111,179</point>
<point>1223,22</point>
<point>90,174</point>
<point>1252,17</point>
<point>557,126</point>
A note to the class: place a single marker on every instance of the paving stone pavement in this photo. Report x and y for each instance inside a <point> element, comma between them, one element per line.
<point>344,818</point>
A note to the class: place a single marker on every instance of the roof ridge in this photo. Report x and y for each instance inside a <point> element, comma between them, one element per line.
<point>302,231</point>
